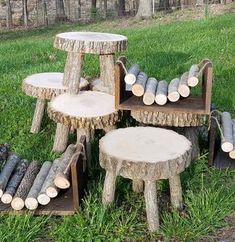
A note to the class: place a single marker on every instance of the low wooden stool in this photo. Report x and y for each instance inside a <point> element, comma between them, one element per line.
<point>86,111</point>
<point>45,86</point>
<point>146,154</point>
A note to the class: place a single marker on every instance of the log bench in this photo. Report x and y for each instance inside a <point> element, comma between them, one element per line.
<point>45,86</point>
<point>145,154</point>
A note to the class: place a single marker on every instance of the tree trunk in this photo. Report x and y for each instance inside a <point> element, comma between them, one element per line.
<point>9,14</point>
<point>145,9</point>
<point>14,182</point>
<point>164,5</point>
<point>93,4</point>
<point>45,17</point>
<point>121,8</point>
<point>60,12</point>
<point>25,13</point>
<point>105,8</point>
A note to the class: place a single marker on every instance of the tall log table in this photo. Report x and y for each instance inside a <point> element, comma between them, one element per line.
<point>77,44</point>
<point>145,154</point>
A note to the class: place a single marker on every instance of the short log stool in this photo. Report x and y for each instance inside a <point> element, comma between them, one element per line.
<point>45,86</point>
<point>86,111</point>
<point>147,154</point>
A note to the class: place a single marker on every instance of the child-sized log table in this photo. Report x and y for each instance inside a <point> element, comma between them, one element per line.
<point>147,154</point>
<point>77,44</point>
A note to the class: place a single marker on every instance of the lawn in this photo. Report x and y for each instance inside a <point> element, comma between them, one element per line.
<point>163,51</point>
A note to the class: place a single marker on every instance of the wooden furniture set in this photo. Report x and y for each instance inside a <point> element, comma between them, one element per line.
<point>142,154</point>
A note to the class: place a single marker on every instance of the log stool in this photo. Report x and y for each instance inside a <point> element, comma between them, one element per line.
<point>145,154</point>
<point>45,86</point>
<point>77,44</point>
<point>86,111</point>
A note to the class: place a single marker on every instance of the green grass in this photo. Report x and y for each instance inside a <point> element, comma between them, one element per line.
<point>163,51</point>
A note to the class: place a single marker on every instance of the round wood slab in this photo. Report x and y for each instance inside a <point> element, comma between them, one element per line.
<point>88,109</point>
<point>47,85</point>
<point>90,42</point>
<point>146,153</point>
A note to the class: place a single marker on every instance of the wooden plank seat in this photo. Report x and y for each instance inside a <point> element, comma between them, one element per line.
<point>45,86</point>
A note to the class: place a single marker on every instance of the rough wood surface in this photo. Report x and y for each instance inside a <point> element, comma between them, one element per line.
<point>88,110</point>
<point>90,42</point>
<point>132,74</point>
<point>150,195</point>
<point>150,91</point>
<point>109,188</point>
<point>31,201</point>
<point>61,137</point>
<point>171,119</point>
<point>193,76</point>
<point>98,86</point>
<point>4,149</point>
<point>232,153</point>
<point>176,192</point>
<point>38,115</point>
<point>8,168</point>
<point>153,153</point>
<point>72,72</point>
<point>173,95</point>
<point>183,88</point>
<point>227,129</point>
<point>107,75</point>
<point>43,197</point>
<point>14,181</point>
<point>138,87</point>
<point>137,186</point>
<point>161,93</point>
<point>25,185</point>
<point>61,179</point>
<point>48,85</point>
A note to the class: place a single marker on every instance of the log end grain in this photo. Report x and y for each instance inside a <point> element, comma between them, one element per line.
<point>227,146</point>
<point>161,99</point>
<point>51,192</point>
<point>62,182</point>
<point>193,81</point>
<point>6,198</point>
<point>173,96</point>
<point>31,203</point>
<point>17,203</point>
<point>138,90</point>
<point>130,79</point>
<point>184,90</point>
<point>232,154</point>
<point>43,199</point>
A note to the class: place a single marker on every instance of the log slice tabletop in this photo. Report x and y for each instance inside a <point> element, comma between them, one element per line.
<point>88,109</point>
<point>145,153</point>
<point>48,84</point>
<point>90,42</point>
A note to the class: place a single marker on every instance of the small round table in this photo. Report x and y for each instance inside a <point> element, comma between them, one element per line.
<point>145,154</point>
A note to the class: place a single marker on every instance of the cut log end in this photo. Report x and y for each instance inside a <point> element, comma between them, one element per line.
<point>138,90</point>
<point>232,154</point>
<point>148,98</point>
<point>130,79</point>
<point>43,199</point>
<point>161,99</point>
<point>193,81</point>
<point>173,96</point>
<point>62,182</point>
<point>17,203</point>
<point>184,90</point>
<point>6,198</point>
<point>31,203</point>
<point>51,192</point>
<point>227,146</point>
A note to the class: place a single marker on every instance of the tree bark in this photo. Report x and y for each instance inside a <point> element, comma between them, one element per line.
<point>183,88</point>
<point>164,5</point>
<point>60,12</point>
<point>150,91</point>
<point>227,128</point>
<point>176,192</point>
<point>193,76</point>
<point>4,149</point>
<point>161,93</point>
<point>14,182</point>
<point>31,201</point>
<point>232,153</point>
<point>121,7</point>
<point>139,86</point>
<point>25,186</point>
<point>173,95</point>
<point>132,74</point>
<point>25,13</point>
<point>9,14</point>
<point>145,9</point>
<point>12,161</point>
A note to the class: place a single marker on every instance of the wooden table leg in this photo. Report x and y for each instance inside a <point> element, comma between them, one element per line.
<point>176,192</point>
<point>61,138</point>
<point>137,186</point>
<point>150,195</point>
<point>72,71</point>
<point>38,115</point>
<point>109,188</point>
<point>107,72</point>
